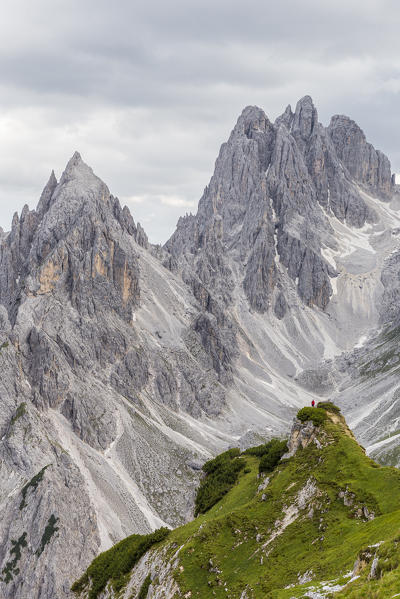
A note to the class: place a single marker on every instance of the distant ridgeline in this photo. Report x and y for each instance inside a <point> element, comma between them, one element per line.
<point>277,521</point>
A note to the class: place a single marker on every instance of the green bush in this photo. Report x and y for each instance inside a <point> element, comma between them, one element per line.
<point>215,464</point>
<point>257,451</point>
<point>221,474</point>
<point>271,457</point>
<point>114,565</point>
<point>11,568</point>
<point>316,415</point>
<point>144,589</point>
<point>261,450</point>
<point>328,406</point>
<point>33,483</point>
<point>49,531</point>
<point>20,412</point>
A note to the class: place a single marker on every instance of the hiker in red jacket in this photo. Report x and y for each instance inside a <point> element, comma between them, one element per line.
<point>313,403</point>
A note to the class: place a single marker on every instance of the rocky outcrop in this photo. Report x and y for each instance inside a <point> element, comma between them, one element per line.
<point>39,483</point>
<point>390,278</point>
<point>70,244</point>
<point>365,164</point>
<point>301,435</point>
<point>267,205</point>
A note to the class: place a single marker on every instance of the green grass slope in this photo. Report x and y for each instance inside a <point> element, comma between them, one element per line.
<point>280,535</point>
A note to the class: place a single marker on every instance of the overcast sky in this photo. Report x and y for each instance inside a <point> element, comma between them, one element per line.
<point>148,91</point>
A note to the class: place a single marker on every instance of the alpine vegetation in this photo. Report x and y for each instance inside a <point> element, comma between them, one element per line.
<point>320,524</point>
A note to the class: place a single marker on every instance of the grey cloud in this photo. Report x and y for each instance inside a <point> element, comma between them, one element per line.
<point>148,92</point>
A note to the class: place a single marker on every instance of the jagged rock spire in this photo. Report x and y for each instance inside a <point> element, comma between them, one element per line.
<point>364,163</point>
<point>305,119</point>
<point>45,198</point>
<point>286,118</point>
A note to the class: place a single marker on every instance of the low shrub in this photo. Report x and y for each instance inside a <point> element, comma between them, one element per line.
<point>270,458</point>
<point>328,406</point>
<point>144,589</point>
<point>49,531</point>
<point>316,415</point>
<point>33,483</point>
<point>221,474</point>
<point>114,565</point>
<point>257,451</point>
<point>20,412</point>
<point>11,569</point>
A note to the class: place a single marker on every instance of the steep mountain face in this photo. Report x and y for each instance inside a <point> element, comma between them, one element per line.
<point>91,387</point>
<point>305,529</point>
<point>264,204</point>
<point>126,365</point>
<point>298,215</point>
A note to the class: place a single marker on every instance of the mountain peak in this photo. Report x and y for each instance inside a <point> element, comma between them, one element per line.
<point>305,118</point>
<point>364,163</point>
<point>47,193</point>
<point>77,169</point>
<point>78,183</point>
<point>76,156</point>
<point>285,118</point>
<point>305,101</point>
<point>252,119</point>
<point>252,111</point>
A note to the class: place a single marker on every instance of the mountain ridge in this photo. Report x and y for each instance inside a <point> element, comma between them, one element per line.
<point>294,531</point>
<point>128,365</point>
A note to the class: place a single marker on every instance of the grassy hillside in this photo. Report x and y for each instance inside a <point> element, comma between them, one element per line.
<point>279,535</point>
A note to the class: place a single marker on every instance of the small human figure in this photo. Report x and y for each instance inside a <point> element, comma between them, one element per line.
<point>313,403</point>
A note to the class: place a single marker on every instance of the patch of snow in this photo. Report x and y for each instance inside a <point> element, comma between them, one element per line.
<point>329,255</point>
<point>362,340</point>
<point>334,285</point>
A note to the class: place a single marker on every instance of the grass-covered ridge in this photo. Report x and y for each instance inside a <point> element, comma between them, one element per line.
<point>316,415</point>
<point>328,406</point>
<point>269,453</point>
<point>221,473</point>
<point>309,519</point>
<point>113,566</point>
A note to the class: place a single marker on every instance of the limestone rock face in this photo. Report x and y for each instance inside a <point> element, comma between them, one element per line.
<point>268,204</point>
<point>94,376</point>
<point>126,365</point>
<point>365,164</point>
<point>301,435</point>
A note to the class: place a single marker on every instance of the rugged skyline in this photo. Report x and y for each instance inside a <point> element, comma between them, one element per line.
<point>147,94</point>
<point>125,365</point>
